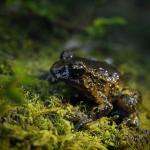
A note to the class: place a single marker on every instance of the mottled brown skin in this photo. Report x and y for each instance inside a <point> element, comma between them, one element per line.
<point>101,83</point>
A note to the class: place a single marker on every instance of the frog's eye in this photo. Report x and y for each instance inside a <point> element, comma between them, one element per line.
<point>66,55</point>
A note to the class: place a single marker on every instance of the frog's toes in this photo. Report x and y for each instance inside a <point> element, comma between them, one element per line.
<point>83,122</point>
<point>132,121</point>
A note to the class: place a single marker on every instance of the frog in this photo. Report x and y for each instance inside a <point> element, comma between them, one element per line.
<point>100,83</point>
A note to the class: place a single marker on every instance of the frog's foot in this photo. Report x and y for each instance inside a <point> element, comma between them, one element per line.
<point>83,122</point>
<point>132,121</point>
<point>102,110</point>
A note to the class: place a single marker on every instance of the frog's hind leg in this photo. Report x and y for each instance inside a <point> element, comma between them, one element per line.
<point>127,101</point>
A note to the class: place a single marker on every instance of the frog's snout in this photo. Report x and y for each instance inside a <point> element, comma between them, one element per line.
<point>60,72</point>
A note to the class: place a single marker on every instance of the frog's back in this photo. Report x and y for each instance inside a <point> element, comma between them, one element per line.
<point>101,69</point>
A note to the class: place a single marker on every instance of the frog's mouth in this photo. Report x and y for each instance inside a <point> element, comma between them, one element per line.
<point>61,72</point>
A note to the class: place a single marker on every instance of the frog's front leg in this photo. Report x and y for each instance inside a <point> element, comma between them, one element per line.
<point>103,109</point>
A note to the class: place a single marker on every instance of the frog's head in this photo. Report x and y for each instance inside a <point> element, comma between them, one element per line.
<point>68,67</point>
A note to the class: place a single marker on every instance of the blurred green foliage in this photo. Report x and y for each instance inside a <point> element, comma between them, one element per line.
<point>44,8</point>
<point>101,26</point>
<point>53,10</point>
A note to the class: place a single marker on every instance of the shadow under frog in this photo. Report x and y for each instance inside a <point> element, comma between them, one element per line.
<point>101,83</point>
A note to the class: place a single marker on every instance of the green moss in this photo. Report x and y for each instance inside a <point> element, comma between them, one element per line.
<point>46,126</point>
